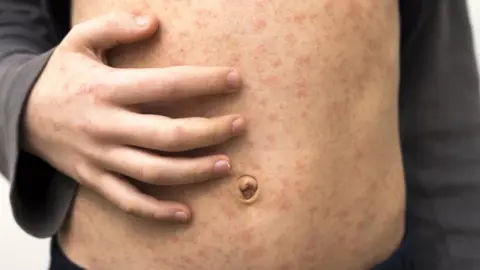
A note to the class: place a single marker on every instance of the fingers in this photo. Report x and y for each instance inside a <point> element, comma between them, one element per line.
<point>173,135</point>
<point>135,86</point>
<point>154,169</point>
<point>111,30</point>
<point>129,199</point>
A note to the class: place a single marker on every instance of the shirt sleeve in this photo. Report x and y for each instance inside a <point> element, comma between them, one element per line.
<point>26,43</point>
<point>440,125</point>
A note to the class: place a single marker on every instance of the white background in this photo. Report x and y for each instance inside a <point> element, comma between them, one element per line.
<point>19,251</point>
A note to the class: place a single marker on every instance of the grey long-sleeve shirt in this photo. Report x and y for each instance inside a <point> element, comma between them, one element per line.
<point>439,116</point>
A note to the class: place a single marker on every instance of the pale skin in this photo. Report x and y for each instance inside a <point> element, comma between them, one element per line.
<point>319,92</point>
<point>79,118</point>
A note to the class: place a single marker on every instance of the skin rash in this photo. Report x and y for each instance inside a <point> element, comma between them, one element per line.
<point>317,181</point>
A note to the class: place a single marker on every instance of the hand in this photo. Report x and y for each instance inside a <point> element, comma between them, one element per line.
<point>79,118</point>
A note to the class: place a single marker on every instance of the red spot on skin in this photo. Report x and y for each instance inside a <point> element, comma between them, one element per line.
<point>273,117</point>
<point>254,253</point>
<point>299,18</point>
<point>174,239</point>
<point>204,13</point>
<point>249,144</point>
<point>259,24</point>
<point>256,167</point>
<point>175,12</point>
<point>285,203</point>
<point>261,49</point>
<point>260,4</point>
<point>202,17</point>
<point>271,139</point>
<point>246,237</point>
<point>218,234</point>
<point>263,101</point>
<point>310,257</point>
<point>298,144</point>
<point>182,53</point>
<point>304,114</point>
<point>301,87</point>
<point>276,63</point>
<point>286,267</point>
<point>342,214</point>
<point>300,166</point>
<point>301,93</point>
<point>187,259</point>
<point>200,24</point>
<point>176,62</point>
<point>202,253</point>
<point>184,34</point>
<point>303,61</point>
<point>206,50</point>
<point>271,79</point>
<point>280,241</point>
<point>235,59</point>
<point>290,38</point>
<point>228,212</point>
<point>328,5</point>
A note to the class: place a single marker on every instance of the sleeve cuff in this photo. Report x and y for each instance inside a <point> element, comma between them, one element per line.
<point>37,205</point>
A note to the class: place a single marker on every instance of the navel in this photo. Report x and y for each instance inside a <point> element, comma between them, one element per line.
<point>247,189</point>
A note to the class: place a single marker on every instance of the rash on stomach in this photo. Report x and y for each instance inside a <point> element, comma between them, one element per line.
<point>320,95</point>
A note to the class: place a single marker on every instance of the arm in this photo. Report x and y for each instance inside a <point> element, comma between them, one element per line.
<point>440,117</point>
<point>49,126</point>
<point>25,39</point>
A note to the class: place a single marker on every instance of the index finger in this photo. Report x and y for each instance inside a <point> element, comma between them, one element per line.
<point>136,86</point>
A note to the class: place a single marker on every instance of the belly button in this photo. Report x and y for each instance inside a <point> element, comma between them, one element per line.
<point>247,188</point>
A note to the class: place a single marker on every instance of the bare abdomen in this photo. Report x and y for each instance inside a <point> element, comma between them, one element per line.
<point>320,95</point>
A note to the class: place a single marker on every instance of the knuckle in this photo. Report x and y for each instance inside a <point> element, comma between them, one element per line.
<point>77,30</point>
<point>95,87</point>
<point>118,16</point>
<point>87,87</point>
<point>118,20</point>
<point>91,127</point>
<point>169,85</point>
<point>74,35</point>
<point>175,137</point>
<point>127,205</point>
<point>64,47</point>
<point>80,173</point>
<point>215,136</point>
<point>215,133</point>
<point>198,173</point>
<point>112,20</point>
<point>147,174</point>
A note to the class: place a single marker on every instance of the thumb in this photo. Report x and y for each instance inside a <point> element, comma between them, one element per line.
<point>108,31</point>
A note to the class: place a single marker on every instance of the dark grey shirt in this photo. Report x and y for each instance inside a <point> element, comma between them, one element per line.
<point>439,115</point>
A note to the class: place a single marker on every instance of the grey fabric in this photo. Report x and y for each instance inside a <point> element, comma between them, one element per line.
<point>439,115</point>
<point>440,127</point>
<point>39,200</point>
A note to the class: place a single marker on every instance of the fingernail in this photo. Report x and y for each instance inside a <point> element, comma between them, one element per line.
<point>222,167</point>
<point>238,125</point>
<point>142,20</point>
<point>180,216</point>
<point>233,80</point>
